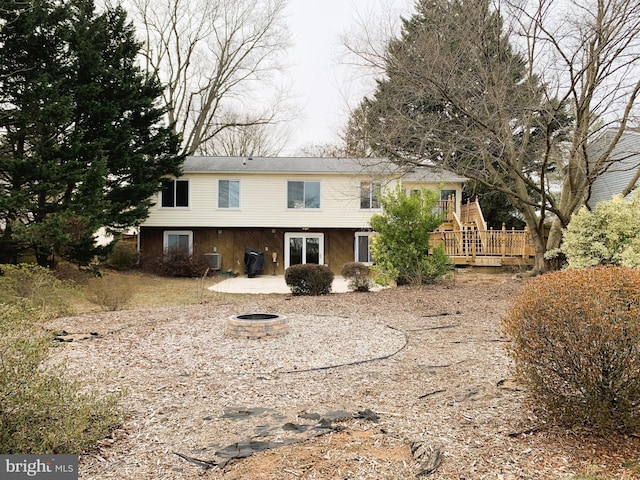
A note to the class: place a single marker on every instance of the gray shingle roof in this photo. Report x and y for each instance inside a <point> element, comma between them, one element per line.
<point>319,165</point>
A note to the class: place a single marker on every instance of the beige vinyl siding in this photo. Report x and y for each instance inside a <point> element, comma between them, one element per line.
<point>263,203</point>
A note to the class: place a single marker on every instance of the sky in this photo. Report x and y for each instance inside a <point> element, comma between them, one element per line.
<point>322,84</point>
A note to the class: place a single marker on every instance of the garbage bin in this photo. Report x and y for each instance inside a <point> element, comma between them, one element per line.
<point>253,261</point>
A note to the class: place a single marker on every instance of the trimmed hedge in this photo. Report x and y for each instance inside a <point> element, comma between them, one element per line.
<point>309,279</point>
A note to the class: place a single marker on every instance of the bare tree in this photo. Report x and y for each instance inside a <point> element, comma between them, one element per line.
<point>322,150</point>
<point>219,60</point>
<point>249,140</point>
<point>513,105</point>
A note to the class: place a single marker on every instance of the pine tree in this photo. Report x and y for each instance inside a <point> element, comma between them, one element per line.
<point>82,140</point>
<point>453,86</point>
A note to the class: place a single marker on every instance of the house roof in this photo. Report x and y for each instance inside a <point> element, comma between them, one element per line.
<point>317,165</point>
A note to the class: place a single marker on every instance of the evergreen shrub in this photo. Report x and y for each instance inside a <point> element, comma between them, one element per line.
<point>575,341</point>
<point>309,279</point>
<point>401,245</point>
<point>608,235</point>
<point>358,276</point>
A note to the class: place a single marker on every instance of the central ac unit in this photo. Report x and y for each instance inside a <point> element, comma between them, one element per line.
<point>214,260</point>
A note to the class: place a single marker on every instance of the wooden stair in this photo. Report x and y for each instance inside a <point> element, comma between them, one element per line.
<point>467,240</point>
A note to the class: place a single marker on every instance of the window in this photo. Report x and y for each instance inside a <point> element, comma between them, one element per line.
<point>228,193</point>
<point>447,195</point>
<point>175,193</point>
<point>178,244</point>
<point>303,194</point>
<point>363,247</point>
<point>448,201</point>
<point>370,194</point>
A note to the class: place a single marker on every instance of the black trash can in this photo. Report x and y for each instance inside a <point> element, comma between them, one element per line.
<point>253,261</point>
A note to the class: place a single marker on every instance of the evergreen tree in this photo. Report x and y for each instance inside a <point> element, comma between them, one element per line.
<point>453,89</point>
<point>82,140</point>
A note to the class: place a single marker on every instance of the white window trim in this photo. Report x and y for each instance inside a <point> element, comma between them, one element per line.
<point>165,239</point>
<point>287,253</point>
<point>356,246</point>
<point>239,194</point>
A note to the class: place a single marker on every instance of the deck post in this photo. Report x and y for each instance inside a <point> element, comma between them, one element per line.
<point>474,239</point>
<point>503,241</point>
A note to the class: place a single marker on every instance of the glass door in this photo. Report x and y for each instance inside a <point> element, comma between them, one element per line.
<point>303,248</point>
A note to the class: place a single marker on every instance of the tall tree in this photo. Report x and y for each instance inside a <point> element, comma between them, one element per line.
<point>82,140</point>
<point>217,59</point>
<point>510,104</point>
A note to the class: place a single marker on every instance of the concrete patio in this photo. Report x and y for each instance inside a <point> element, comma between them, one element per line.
<point>267,284</point>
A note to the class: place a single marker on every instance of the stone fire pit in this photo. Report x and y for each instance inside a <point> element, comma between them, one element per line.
<point>257,325</point>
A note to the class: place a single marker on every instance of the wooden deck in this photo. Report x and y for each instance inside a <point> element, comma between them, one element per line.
<point>468,242</point>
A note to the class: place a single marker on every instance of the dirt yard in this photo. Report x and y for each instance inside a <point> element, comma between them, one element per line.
<point>398,384</point>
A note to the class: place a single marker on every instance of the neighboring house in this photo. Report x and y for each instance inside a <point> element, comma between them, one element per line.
<point>623,172</point>
<point>295,210</point>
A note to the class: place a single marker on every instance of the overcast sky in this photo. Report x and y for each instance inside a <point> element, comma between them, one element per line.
<point>323,86</point>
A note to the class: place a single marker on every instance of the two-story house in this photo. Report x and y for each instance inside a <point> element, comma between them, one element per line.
<point>295,210</point>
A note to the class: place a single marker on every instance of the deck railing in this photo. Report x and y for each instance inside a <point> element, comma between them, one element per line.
<point>497,243</point>
<point>447,208</point>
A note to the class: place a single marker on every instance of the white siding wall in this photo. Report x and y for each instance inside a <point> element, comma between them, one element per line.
<point>263,203</point>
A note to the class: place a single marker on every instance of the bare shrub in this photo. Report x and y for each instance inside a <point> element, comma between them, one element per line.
<point>111,292</point>
<point>575,339</point>
<point>123,257</point>
<point>37,287</point>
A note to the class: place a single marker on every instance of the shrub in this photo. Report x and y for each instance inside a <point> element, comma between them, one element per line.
<point>111,292</point>
<point>401,244</point>
<point>41,410</point>
<point>359,276</point>
<point>123,256</point>
<point>309,279</point>
<point>177,264</point>
<point>608,235</point>
<point>575,341</point>
<point>36,287</point>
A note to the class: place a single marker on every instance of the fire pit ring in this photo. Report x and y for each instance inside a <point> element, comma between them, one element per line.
<point>257,325</point>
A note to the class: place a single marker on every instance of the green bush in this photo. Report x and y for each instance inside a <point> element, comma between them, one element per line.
<point>575,340</point>
<point>401,244</point>
<point>358,276</point>
<point>309,279</point>
<point>609,235</point>
<point>111,293</point>
<point>37,287</point>
<point>41,410</point>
